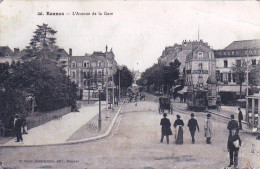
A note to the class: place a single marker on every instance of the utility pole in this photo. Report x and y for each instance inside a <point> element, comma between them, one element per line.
<point>247,80</point>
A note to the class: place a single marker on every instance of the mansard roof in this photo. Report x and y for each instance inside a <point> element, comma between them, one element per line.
<point>244,44</point>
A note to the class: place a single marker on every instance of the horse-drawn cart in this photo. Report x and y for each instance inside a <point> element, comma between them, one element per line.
<point>165,103</point>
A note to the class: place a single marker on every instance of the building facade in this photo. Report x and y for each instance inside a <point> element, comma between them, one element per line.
<point>89,70</point>
<point>197,60</point>
<point>235,54</point>
<point>8,56</point>
<point>200,63</point>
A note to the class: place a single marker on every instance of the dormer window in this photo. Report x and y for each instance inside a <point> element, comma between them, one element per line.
<point>73,64</point>
<point>211,55</point>
<point>200,55</point>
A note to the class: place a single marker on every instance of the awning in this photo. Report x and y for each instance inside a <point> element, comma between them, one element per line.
<point>231,88</point>
<point>183,90</point>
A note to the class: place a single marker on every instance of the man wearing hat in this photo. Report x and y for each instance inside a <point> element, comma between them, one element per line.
<point>166,128</point>
<point>193,124</point>
<point>208,129</point>
<point>18,128</point>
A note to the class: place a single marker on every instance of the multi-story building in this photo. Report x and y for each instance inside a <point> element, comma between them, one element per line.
<point>7,55</point>
<point>235,54</point>
<point>196,57</point>
<point>169,54</point>
<point>90,70</point>
<point>200,62</point>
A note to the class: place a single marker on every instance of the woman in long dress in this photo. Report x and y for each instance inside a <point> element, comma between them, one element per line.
<point>178,125</point>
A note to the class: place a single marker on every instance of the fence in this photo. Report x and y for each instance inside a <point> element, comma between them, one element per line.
<point>39,118</point>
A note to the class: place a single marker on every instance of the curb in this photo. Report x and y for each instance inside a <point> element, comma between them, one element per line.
<point>106,134</point>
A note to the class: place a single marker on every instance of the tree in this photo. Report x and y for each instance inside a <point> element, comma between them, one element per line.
<point>160,75</point>
<point>44,80</point>
<point>42,44</point>
<point>254,78</point>
<point>126,77</point>
<point>239,74</point>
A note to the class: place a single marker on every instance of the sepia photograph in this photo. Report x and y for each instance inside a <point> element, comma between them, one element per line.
<point>129,84</point>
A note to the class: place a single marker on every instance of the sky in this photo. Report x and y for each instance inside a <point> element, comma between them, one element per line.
<point>138,31</point>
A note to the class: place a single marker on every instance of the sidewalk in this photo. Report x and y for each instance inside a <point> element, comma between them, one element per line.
<point>60,130</point>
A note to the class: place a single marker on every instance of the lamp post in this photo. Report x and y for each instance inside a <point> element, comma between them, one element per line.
<point>99,114</point>
<point>247,82</point>
<point>119,83</point>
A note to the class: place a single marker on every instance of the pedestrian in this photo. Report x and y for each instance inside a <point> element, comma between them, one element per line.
<point>232,124</point>
<point>166,128</point>
<point>240,118</point>
<point>193,124</point>
<point>24,126</point>
<point>178,125</point>
<point>18,128</point>
<point>208,129</point>
<point>218,103</point>
<point>233,145</point>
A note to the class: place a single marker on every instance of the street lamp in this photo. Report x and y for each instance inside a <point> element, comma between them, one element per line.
<point>119,84</point>
<point>247,80</point>
<point>99,114</point>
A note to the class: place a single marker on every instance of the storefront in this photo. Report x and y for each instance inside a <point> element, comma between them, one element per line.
<point>253,111</point>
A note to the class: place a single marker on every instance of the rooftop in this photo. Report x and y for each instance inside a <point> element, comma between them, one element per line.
<point>244,44</point>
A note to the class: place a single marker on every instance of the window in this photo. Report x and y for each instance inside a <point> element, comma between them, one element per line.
<point>85,64</point>
<point>225,78</point>
<point>99,64</point>
<point>73,64</point>
<point>88,64</point>
<point>73,75</point>
<point>200,55</point>
<point>233,53</point>
<point>200,66</point>
<point>238,63</point>
<point>225,63</point>
<point>229,77</point>
<point>211,55</point>
<point>254,62</point>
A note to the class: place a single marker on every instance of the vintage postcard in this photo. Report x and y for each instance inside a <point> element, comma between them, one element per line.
<point>129,84</point>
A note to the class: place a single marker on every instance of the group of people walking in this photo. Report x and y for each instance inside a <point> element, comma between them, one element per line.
<point>178,125</point>
<point>234,141</point>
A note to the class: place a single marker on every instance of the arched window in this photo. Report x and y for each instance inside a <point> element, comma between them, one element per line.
<point>200,55</point>
<point>73,64</point>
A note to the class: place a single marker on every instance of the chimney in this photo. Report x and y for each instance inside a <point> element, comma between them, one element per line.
<point>16,51</point>
<point>70,52</point>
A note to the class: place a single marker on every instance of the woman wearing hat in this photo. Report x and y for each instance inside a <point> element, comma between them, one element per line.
<point>208,129</point>
<point>178,124</point>
<point>166,128</point>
